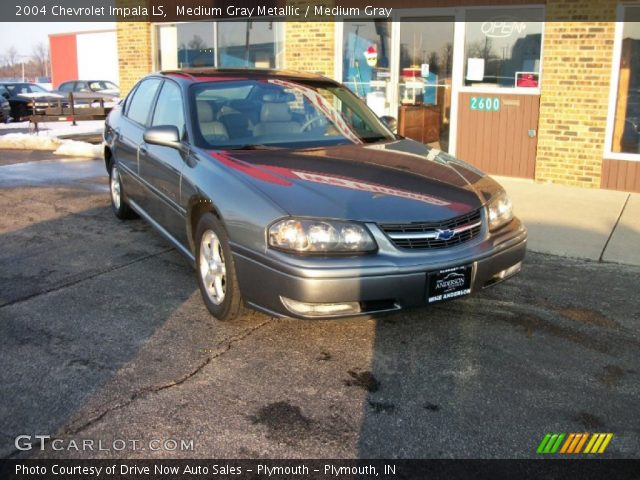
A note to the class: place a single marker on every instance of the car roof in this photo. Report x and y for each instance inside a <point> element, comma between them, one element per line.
<point>194,75</point>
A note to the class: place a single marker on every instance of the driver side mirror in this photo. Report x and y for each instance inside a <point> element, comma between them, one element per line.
<point>390,122</point>
<point>6,95</point>
<point>163,135</point>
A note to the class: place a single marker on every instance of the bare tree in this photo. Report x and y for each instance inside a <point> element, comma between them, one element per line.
<point>40,56</point>
<point>11,60</point>
<point>11,56</point>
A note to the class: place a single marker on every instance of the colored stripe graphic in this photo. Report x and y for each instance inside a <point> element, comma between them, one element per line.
<point>581,443</point>
<point>551,443</point>
<point>567,443</point>
<point>556,443</point>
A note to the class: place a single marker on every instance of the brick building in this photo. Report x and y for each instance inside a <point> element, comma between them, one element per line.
<point>522,90</point>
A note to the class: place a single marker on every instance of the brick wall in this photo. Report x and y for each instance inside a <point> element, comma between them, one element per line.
<point>309,46</point>
<point>576,70</point>
<point>134,52</point>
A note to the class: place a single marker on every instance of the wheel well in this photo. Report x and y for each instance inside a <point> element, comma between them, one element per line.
<point>198,208</point>
<point>108,159</point>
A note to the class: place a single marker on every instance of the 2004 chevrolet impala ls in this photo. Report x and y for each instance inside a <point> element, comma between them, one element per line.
<point>292,197</point>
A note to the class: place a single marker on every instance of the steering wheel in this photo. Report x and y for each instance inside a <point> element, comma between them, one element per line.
<point>310,122</point>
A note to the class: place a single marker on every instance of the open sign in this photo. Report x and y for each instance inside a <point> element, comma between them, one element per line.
<point>502,29</point>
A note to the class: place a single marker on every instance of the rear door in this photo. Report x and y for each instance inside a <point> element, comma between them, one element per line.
<point>128,137</point>
<point>161,167</point>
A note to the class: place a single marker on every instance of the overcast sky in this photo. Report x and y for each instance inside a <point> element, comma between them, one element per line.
<point>24,35</point>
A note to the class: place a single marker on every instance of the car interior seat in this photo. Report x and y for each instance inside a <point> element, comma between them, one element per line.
<point>275,116</point>
<point>235,122</point>
<point>212,130</point>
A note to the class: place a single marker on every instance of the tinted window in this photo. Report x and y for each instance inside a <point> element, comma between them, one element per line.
<point>169,109</point>
<point>82,87</point>
<point>66,87</point>
<point>19,88</point>
<point>140,104</point>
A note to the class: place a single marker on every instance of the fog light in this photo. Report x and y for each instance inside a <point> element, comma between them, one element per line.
<point>320,309</point>
<point>506,273</point>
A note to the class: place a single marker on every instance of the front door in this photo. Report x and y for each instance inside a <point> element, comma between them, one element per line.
<point>424,79</point>
<point>161,167</point>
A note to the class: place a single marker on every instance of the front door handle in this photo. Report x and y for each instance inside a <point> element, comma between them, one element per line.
<point>142,151</point>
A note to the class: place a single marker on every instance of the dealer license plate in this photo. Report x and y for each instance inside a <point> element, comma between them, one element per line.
<point>449,283</point>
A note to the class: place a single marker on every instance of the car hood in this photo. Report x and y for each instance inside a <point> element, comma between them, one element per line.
<point>399,181</point>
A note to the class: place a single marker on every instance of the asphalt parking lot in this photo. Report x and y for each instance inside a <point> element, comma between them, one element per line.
<point>103,336</point>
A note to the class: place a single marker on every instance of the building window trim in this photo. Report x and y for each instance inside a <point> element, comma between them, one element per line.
<point>609,154</point>
<point>506,90</point>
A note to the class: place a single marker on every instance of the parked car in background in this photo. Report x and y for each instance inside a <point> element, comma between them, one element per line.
<point>289,195</point>
<point>90,92</point>
<point>26,99</point>
<point>5,108</point>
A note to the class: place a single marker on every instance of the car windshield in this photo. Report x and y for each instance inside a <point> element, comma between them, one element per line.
<point>20,88</point>
<point>281,113</point>
<point>99,85</point>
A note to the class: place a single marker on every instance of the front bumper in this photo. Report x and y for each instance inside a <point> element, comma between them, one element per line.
<point>383,282</point>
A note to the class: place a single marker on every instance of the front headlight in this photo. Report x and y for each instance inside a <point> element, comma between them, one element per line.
<point>318,236</point>
<point>500,211</point>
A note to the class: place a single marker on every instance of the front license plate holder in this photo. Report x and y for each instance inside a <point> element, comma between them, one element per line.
<point>449,283</point>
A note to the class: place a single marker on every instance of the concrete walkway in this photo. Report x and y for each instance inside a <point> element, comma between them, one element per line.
<point>601,225</point>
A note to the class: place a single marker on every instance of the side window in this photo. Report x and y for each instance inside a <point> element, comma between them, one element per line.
<point>169,107</point>
<point>82,87</point>
<point>66,87</point>
<point>140,105</point>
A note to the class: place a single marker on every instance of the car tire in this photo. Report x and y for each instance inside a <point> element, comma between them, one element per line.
<point>116,192</point>
<point>215,269</point>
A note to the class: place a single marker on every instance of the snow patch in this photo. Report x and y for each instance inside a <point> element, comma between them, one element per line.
<point>73,148</point>
<point>23,141</point>
<point>69,148</point>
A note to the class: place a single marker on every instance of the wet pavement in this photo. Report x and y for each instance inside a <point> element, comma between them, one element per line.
<point>103,336</point>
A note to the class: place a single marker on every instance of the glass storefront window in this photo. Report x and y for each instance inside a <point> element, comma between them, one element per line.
<point>248,44</point>
<point>626,128</point>
<point>426,57</point>
<point>502,47</point>
<point>366,61</point>
<point>195,44</point>
<point>240,44</point>
<point>185,45</point>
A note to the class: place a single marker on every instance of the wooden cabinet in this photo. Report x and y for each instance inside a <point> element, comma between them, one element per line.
<point>420,122</point>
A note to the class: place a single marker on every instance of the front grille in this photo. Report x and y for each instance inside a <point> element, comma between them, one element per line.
<point>424,235</point>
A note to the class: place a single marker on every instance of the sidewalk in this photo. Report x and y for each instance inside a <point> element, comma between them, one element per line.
<point>601,225</point>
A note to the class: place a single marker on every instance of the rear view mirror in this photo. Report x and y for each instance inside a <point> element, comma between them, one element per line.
<point>164,135</point>
<point>390,122</point>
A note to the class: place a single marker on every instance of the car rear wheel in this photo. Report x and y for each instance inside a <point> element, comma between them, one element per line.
<point>118,204</point>
<point>216,270</point>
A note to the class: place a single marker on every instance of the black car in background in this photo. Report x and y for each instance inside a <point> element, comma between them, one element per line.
<point>25,99</point>
<point>5,108</point>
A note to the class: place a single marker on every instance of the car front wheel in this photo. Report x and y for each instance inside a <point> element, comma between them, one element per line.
<point>118,205</point>
<point>216,270</point>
